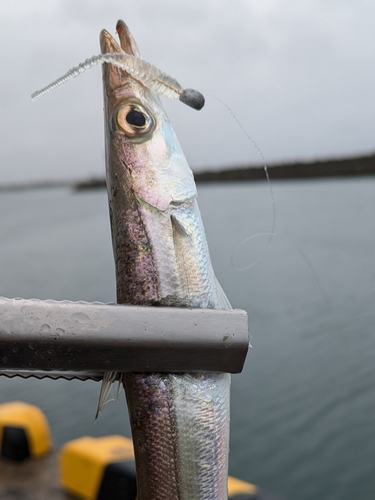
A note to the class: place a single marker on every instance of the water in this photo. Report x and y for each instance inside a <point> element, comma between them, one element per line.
<point>303,408</point>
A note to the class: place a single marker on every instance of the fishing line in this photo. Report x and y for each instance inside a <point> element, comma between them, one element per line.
<point>271,234</point>
<point>163,84</point>
<point>265,168</point>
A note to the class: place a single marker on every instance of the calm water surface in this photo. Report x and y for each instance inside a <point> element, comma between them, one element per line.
<point>302,422</point>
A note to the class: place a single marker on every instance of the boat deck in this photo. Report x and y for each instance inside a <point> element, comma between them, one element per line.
<point>36,479</point>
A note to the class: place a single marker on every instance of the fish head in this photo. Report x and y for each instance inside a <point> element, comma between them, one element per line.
<point>143,155</point>
<point>150,189</point>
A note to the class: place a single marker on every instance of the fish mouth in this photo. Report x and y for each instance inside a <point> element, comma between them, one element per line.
<point>114,77</point>
<point>127,43</point>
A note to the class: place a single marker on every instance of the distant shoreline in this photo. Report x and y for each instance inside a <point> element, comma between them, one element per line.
<point>25,186</point>
<point>345,167</point>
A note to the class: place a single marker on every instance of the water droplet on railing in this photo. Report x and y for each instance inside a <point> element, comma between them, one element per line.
<point>80,317</point>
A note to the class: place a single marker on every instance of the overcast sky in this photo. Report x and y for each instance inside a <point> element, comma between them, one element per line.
<point>299,75</point>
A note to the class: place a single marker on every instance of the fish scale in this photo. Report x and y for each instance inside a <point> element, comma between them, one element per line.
<point>201,400</point>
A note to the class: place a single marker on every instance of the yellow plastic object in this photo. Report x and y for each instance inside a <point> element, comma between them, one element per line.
<point>32,420</point>
<point>83,462</point>
<point>238,487</point>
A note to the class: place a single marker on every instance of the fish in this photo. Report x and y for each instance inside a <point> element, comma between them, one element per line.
<point>179,421</point>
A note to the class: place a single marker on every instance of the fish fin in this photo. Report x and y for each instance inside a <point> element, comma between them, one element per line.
<point>105,391</point>
<point>221,297</point>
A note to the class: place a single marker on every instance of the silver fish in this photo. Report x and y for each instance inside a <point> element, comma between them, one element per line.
<point>180,422</point>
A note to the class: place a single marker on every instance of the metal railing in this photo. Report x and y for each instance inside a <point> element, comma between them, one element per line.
<point>63,339</point>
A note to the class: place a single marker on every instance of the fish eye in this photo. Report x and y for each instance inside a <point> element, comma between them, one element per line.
<point>133,120</point>
<point>136,118</point>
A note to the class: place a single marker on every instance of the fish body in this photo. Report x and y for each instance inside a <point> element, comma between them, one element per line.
<point>180,422</point>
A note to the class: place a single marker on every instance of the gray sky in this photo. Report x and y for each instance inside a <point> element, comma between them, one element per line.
<point>300,76</point>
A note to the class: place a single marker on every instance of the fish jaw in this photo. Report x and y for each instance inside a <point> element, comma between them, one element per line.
<point>127,42</point>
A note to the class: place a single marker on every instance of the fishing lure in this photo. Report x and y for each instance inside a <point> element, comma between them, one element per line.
<point>140,70</point>
<point>163,84</point>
